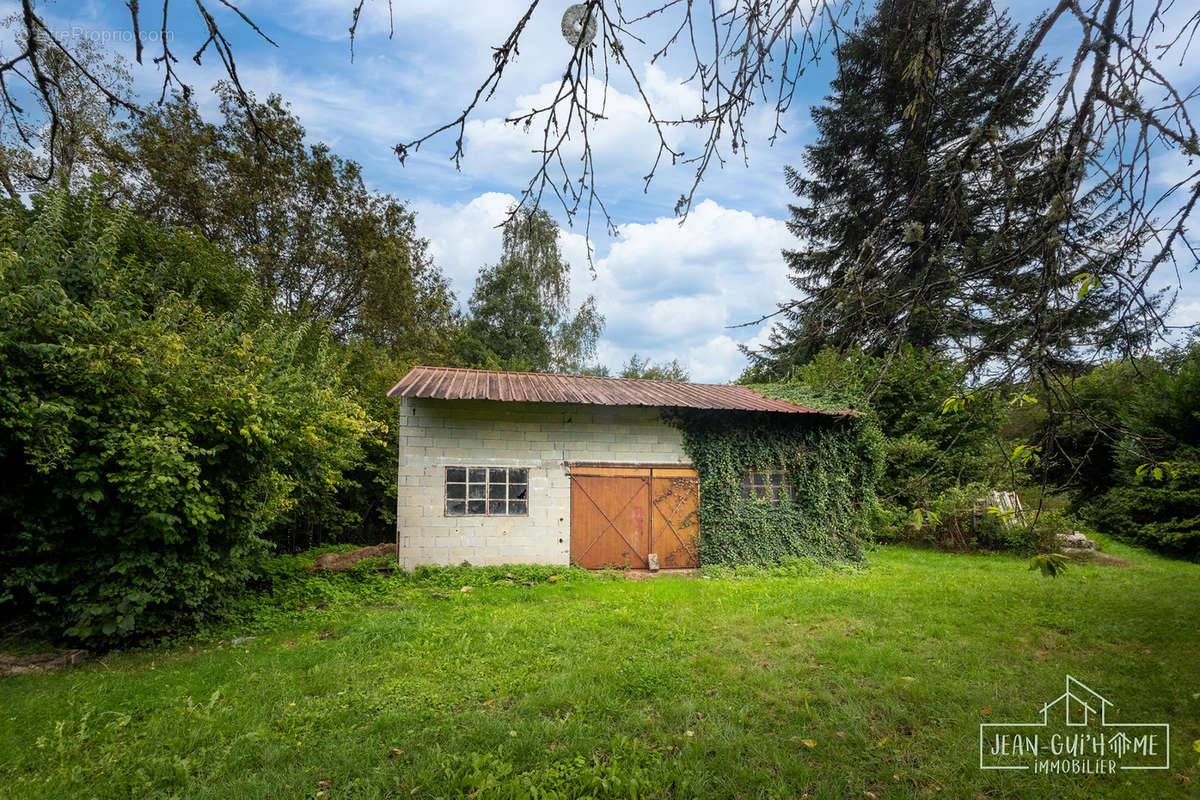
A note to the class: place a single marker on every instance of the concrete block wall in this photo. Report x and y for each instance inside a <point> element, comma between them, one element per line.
<point>540,437</point>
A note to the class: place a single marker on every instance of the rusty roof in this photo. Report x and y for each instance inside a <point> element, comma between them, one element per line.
<point>451,383</point>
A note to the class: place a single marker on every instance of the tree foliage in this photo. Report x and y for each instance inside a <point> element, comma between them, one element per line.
<point>319,242</point>
<point>925,452</point>
<point>645,369</point>
<point>520,309</point>
<point>906,241</point>
<point>80,146</point>
<point>157,422</point>
<point>1127,447</point>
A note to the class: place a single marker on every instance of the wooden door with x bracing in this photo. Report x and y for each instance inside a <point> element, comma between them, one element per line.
<point>620,515</point>
<point>674,519</point>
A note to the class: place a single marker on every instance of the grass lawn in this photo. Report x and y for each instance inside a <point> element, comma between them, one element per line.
<point>855,684</point>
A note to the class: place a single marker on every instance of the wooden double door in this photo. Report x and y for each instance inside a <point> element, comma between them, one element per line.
<point>620,515</point>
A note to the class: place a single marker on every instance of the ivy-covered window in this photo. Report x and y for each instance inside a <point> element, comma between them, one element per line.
<point>769,485</point>
<point>487,492</point>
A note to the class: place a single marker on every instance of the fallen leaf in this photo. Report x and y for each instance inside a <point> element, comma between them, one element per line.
<point>871,795</point>
<point>324,784</point>
<point>987,710</point>
<point>907,678</point>
<point>512,733</point>
<point>467,589</point>
<point>395,752</point>
<point>489,702</point>
<point>882,741</point>
<point>553,747</point>
<point>841,735</point>
<point>809,742</point>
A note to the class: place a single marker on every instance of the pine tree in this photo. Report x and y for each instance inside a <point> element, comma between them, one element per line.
<point>927,211</point>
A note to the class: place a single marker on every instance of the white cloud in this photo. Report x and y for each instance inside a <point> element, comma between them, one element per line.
<point>667,290</point>
<point>463,237</point>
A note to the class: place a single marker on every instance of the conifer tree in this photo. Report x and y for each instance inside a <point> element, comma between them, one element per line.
<point>930,214</point>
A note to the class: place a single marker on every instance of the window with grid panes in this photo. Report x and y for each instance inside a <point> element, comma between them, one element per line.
<point>768,485</point>
<point>487,492</point>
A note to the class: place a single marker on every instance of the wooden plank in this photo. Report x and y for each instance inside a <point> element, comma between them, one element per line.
<point>609,522</point>
<point>675,472</point>
<point>675,525</point>
<point>639,472</point>
<point>574,465</point>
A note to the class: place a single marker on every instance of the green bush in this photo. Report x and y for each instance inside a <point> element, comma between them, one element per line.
<point>1160,514</point>
<point>1151,496</point>
<point>925,452</point>
<point>155,422</point>
<point>956,520</point>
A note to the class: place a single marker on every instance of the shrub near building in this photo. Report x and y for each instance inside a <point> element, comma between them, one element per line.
<point>155,420</point>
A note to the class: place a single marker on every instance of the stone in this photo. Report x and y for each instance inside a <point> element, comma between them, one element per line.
<point>1075,541</point>
<point>652,562</point>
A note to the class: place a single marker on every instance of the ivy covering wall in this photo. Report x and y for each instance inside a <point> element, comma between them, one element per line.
<point>832,464</point>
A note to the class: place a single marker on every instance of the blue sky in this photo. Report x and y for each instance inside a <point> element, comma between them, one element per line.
<point>667,290</point>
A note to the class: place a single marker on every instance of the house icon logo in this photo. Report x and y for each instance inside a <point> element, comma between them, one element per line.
<point>1075,736</point>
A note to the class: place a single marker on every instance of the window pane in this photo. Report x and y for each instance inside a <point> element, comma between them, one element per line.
<point>518,476</point>
<point>496,507</point>
<point>497,475</point>
<point>458,474</point>
<point>476,506</point>
<point>496,491</point>
<point>478,475</point>
<point>745,492</point>
<point>762,492</point>
<point>455,508</point>
<point>456,491</point>
<point>477,490</point>
<point>517,491</point>
<point>516,507</point>
<point>776,478</point>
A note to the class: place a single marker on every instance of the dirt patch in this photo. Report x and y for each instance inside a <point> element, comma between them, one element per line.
<point>1096,557</point>
<point>642,575</point>
<point>39,662</point>
<point>336,562</point>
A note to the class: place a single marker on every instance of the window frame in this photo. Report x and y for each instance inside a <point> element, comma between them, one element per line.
<point>479,486</point>
<point>767,486</point>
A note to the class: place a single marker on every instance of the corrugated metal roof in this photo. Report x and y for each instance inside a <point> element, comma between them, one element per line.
<point>450,383</point>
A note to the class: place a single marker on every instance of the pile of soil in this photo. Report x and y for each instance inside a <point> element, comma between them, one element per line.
<point>336,562</point>
<point>39,662</point>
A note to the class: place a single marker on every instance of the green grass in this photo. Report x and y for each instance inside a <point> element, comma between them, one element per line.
<point>672,687</point>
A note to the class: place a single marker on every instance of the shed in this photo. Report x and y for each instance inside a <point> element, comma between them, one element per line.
<point>510,467</point>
